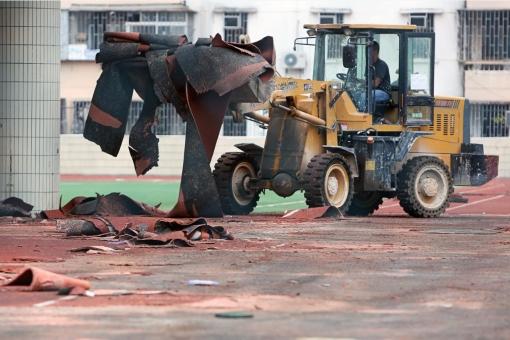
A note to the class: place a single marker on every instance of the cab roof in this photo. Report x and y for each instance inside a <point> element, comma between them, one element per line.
<point>360,27</point>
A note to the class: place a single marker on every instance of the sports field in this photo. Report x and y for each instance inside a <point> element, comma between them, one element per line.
<point>161,191</point>
<point>489,199</point>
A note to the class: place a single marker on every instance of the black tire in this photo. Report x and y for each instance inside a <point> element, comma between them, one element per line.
<point>314,181</point>
<point>241,202</point>
<point>412,200</point>
<point>364,203</point>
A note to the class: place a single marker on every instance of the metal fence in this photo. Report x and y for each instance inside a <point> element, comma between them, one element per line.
<point>490,119</point>
<point>168,121</point>
<point>231,128</point>
<point>80,111</point>
<point>486,119</point>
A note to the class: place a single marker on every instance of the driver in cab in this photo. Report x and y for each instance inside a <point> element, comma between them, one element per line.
<point>381,82</point>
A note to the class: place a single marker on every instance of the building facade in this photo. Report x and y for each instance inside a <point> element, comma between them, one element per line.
<point>484,53</point>
<point>471,45</point>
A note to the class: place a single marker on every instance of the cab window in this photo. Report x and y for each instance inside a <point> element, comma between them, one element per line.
<point>419,59</point>
<point>390,52</point>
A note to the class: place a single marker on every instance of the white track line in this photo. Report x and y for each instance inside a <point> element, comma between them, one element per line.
<point>397,204</point>
<point>484,214</point>
<point>278,204</point>
<point>389,206</point>
<point>476,202</point>
<point>478,189</point>
<point>465,205</point>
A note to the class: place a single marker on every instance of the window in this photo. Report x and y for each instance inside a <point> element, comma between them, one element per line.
<point>354,80</point>
<point>334,48</point>
<point>331,18</point>
<point>484,36</point>
<point>389,45</point>
<point>419,66</point>
<point>86,28</point>
<point>423,21</point>
<point>490,119</point>
<point>235,25</point>
<point>160,23</point>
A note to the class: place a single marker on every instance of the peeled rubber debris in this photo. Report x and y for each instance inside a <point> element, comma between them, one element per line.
<point>37,279</point>
<point>15,207</point>
<point>113,204</point>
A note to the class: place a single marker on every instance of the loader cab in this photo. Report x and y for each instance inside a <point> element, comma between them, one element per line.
<point>342,57</point>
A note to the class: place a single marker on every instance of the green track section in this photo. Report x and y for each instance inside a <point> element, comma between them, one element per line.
<point>166,193</point>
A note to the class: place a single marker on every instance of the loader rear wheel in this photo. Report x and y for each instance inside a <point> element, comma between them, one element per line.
<point>364,203</point>
<point>327,181</point>
<point>424,187</point>
<point>231,173</point>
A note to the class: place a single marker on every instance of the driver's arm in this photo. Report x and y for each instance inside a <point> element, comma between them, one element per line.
<point>376,82</point>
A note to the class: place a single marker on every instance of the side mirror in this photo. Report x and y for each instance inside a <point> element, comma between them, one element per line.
<point>349,56</point>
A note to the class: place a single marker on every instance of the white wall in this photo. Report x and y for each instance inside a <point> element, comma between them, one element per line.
<point>487,86</point>
<point>79,156</point>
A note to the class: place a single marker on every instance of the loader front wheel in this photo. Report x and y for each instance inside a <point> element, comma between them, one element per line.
<point>327,181</point>
<point>424,187</point>
<point>232,173</point>
<point>364,203</point>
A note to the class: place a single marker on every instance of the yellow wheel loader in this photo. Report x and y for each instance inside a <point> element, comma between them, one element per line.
<point>330,138</point>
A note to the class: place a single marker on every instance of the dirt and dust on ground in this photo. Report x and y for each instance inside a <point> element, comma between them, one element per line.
<point>386,276</point>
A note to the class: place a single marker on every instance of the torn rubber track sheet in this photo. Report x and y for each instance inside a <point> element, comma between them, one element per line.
<point>118,215</point>
<point>114,204</point>
<point>37,279</point>
<point>200,80</point>
<point>15,207</point>
<point>144,229</point>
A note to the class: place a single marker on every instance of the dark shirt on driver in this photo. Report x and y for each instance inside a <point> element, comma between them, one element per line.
<point>382,72</point>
